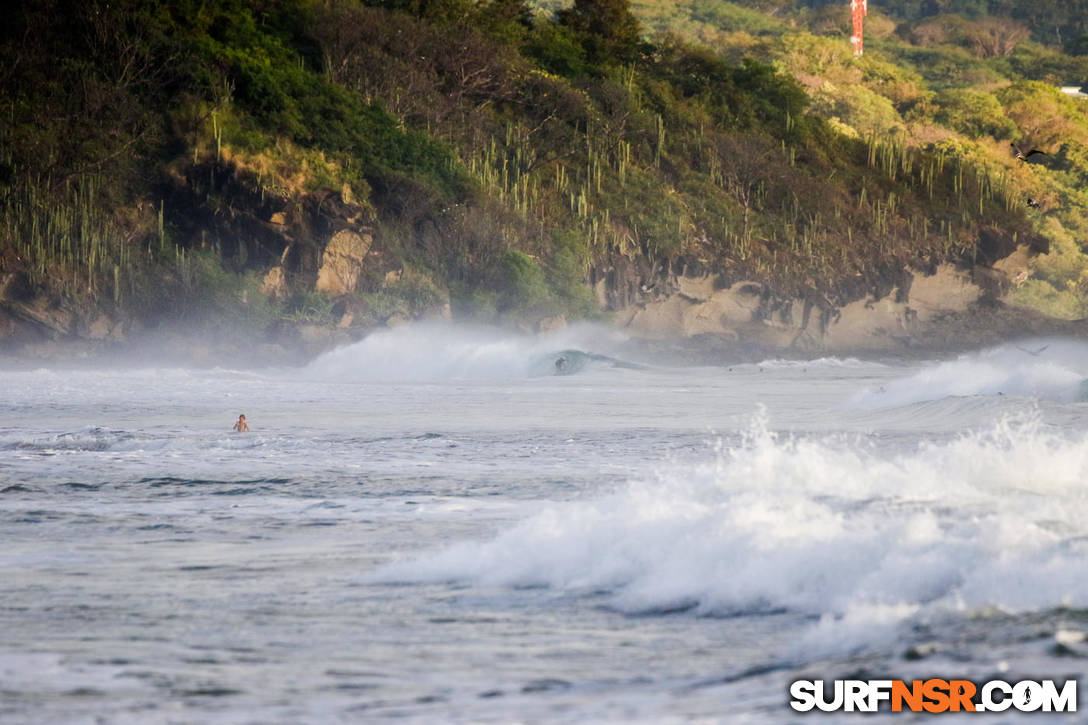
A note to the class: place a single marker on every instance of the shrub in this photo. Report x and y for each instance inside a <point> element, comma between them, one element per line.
<point>522,282</point>
<point>973,113</point>
<point>1042,297</point>
<point>312,307</point>
<point>417,291</point>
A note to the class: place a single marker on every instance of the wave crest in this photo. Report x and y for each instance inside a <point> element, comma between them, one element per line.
<point>1046,369</point>
<point>433,351</point>
<point>819,527</point>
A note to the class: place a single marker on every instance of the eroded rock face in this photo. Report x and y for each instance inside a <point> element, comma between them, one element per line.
<point>101,328</point>
<point>904,317</point>
<point>342,262</point>
<point>46,314</point>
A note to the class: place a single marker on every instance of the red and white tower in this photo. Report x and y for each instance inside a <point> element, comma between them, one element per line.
<point>858,8</point>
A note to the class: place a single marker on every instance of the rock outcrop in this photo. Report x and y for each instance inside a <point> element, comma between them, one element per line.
<point>920,310</point>
<point>342,262</point>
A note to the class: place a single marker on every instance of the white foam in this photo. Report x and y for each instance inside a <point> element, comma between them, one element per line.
<point>836,528</point>
<point>1049,369</point>
<point>821,362</point>
<point>442,351</point>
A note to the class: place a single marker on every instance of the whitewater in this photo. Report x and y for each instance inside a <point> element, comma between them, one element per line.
<point>455,524</point>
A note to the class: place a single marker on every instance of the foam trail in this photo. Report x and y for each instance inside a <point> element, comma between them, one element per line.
<point>834,528</point>
<point>438,351</point>
<point>821,362</point>
<point>1046,369</point>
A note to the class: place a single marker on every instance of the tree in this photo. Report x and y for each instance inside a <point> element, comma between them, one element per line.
<point>974,113</point>
<point>994,37</point>
<point>514,11</point>
<point>510,20</point>
<point>436,10</point>
<point>609,31</point>
<point>1044,115</point>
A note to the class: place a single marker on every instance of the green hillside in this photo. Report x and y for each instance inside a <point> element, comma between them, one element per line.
<point>961,77</point>
<point>160,160</point>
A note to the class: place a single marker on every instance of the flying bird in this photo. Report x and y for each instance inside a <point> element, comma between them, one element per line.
<point>1036,353</point>
<point>1025,156</point>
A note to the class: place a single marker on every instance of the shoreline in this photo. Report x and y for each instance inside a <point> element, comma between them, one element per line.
<point>953,334</point>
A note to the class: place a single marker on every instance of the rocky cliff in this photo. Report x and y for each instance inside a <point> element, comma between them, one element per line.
<point>918,309</point>
<point>325,250</point>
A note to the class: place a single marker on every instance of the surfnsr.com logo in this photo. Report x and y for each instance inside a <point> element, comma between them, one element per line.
<point>933,695</point>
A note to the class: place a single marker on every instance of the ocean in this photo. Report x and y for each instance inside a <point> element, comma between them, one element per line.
<point>454,524</point>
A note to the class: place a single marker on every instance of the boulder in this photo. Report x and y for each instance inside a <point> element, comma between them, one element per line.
<point>342,262</point>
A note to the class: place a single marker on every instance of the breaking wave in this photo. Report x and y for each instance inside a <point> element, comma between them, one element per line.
<point>832,528</point>
<point>1047,369</point>
<point>434,351</point>
<point>821,362</point>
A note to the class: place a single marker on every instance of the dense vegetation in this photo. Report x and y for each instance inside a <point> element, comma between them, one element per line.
<point>506,153</point>
<point>962,77</point>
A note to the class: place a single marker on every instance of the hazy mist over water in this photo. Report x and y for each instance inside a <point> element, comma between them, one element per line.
<point>443,524</point>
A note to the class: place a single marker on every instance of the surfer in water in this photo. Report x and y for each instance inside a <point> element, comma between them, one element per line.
<point>560,365</point>
<point>241,426</point>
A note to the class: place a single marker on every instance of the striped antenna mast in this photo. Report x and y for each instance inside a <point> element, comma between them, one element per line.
<point>858,8</point>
